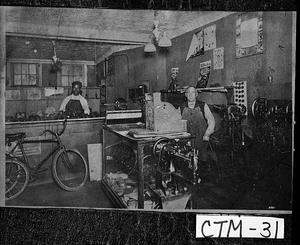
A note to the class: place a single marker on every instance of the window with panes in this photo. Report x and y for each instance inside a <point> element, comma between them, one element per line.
<point>25,74</point>
<point>71,73</point>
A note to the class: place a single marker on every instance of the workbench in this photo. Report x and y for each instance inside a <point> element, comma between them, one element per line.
<point>139,147</point>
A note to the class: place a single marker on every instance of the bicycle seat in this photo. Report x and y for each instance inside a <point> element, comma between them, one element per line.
<point>15,136</point>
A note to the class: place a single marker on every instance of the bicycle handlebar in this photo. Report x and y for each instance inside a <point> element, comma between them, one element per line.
<point>63,129</point>
<point>58,133</point>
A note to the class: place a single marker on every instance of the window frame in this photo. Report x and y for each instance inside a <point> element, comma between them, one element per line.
<point>73,65</point>
<point>11,72</point>
<point>39,63</point>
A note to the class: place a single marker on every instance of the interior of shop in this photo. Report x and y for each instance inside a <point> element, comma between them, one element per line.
<point>133,147</point>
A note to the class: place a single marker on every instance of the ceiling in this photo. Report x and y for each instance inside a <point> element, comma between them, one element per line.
<point>91,34</point>
<point>41,48</point>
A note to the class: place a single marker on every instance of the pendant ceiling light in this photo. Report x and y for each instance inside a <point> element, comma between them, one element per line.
<point>56,64</point>
<point>150,47</point>
<point>162,40</point>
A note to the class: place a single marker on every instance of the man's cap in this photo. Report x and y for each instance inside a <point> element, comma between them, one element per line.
<point>77,83</point>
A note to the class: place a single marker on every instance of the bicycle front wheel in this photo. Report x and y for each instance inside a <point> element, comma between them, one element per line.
<point>16,178</point>
<point>70,170</point>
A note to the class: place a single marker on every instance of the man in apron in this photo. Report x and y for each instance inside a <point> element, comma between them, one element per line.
<point>75,105</point>
<point>200,123</point>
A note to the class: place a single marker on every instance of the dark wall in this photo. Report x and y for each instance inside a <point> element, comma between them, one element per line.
<point>276,58</point>
<point>133,67</point>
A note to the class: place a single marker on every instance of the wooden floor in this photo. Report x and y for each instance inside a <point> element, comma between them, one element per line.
<point>267,184</point>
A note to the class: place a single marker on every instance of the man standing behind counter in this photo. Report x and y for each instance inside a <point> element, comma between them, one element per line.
<point>75,105</point>
<point>200,123</point>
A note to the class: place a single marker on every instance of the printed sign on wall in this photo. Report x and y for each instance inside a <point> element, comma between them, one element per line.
<point>204,74</point>
<point>219,58</point>
<point>29,148</point>
<point>210,37</point>
<point>53,91</point>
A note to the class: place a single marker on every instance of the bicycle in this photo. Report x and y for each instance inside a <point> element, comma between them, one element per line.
<point>69,168</point>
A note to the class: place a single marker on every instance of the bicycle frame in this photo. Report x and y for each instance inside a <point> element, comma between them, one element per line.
<point>20,143</point>
<point>61,158</point>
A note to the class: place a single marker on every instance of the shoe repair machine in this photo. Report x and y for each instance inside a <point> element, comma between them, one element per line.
<point>177,160</point>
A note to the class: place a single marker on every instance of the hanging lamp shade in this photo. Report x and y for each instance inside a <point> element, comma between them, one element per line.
<point>164,41</point>
<point>150,47</point>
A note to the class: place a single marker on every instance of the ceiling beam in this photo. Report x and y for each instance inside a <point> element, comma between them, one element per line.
<point>97,40</point>
<point>114,49</point>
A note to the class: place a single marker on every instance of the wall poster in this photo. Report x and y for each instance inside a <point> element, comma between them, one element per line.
<point>218,58</point>
<point>249,34</point>
<point>12,95</point>
<point>34,94</point>
<point>204,74</point>
<point>197,45</point>
<point>210,37</point>
<point>50,91</point>
<point>29,148</point>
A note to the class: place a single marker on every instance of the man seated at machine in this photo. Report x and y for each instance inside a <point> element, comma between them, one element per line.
<point>200,123</point>
<point>75,105</point>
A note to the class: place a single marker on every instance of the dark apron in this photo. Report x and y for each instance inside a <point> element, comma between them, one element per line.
<point>74,108</point>
<point>196,126</point>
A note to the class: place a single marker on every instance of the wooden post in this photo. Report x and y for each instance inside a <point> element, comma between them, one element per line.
<point>140,156</point>
<point>2,104</point>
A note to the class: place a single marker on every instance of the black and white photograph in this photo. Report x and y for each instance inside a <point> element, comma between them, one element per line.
<point>88,124</point>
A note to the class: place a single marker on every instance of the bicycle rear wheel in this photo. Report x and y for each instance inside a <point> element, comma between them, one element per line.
<point>16,178</point>
<point>70,170</point>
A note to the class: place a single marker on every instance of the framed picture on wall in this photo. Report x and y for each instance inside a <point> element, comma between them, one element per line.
<point>249,34</point>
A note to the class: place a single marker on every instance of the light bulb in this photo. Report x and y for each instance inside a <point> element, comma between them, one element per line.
<point>270,79</point>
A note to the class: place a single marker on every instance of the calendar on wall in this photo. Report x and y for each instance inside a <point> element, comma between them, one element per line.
<point>249,34</point>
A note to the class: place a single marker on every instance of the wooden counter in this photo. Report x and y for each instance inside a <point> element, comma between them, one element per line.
<point>78,134</point>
